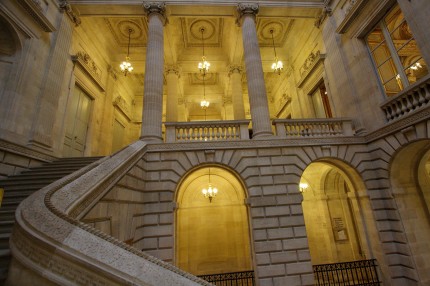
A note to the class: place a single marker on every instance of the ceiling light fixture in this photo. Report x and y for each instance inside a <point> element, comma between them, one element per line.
<point>125,66</point>
<point>204,68</point>
<point>277,66</point>
<point>210,192</point>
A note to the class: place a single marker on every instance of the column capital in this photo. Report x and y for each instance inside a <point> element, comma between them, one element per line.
<point>157,8</point>
<point>172,69</point>
<point>235,69</point>
<point>247,9</point>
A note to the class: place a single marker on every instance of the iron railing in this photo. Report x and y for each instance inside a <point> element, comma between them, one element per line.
<point>245,278</point>
<point>362,272</point>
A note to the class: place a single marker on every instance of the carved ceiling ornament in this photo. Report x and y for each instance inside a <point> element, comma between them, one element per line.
<point>120,27</point>
<point>212,36</point>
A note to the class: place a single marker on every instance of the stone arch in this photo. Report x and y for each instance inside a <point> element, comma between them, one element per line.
<point>410,184</point>
<point>212,236</point>
<point>337,212</point>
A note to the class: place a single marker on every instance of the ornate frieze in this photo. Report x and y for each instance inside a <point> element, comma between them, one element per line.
<point>121,104</point>
<point>351,9</point>
<point>311,71</point>
<point>89,66</point>
<point>35,10</point>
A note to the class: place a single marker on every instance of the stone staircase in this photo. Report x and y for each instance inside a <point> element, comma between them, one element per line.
<point>18,187</point>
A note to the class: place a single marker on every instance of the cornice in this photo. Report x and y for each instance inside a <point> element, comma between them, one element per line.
<point>34,9</point>
<point>27,152</point>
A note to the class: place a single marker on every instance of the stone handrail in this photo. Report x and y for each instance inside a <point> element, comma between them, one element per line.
<point>411,99</point>
<point>49,241</point>
<point>330,127</point>
<point>207,131</point>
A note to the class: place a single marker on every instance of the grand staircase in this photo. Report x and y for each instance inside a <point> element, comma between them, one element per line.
<point>18,187</point>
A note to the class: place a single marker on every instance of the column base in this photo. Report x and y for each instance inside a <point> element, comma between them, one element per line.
<point>262,134</point>
<point>153,139</point>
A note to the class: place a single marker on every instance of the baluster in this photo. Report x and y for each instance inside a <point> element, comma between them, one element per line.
<point>415,102</point>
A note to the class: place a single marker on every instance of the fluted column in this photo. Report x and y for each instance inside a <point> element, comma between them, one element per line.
<point>259,106</point>
<point>152,114</point>
<point>236,91</point>
<point>172,76</point>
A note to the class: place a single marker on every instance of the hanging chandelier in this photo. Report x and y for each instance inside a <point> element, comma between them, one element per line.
<point>204,68</point>
<point>204,64</point>
<point>277,66</point>
<point>210,192</point>
<point>125,66</point>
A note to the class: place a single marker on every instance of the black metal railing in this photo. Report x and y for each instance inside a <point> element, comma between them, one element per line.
<point>245,278</point>
<point>362,272</point>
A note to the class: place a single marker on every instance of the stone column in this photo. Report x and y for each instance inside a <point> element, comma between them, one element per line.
<point>236,91</point>
<point>52,88</point>
<point>172,76</point>
<point>259,106</point>
<point>152,114</point>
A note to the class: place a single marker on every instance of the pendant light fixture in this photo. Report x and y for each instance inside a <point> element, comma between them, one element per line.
<point>204,68</point>
<point>125,66</point>
<point>210,192</point>
<point>277,66</point>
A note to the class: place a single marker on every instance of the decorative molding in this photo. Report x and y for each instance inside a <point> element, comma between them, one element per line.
<point>312,65</point>
<point>34,9</point>
<point>23,151</point>
<point>122,106</point>
<point>352,10</point>
<point>112,72</point>
<point>235,69</point>
<point>67,8</point>
<point>172,69</point>
<point>89,66</point>
<point>283,102</point>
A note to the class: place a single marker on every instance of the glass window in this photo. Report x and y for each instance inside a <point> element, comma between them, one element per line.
<point>395,53</point>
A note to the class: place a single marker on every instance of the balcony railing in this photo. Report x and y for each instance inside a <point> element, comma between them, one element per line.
<point>362,272</point>
<point>245,278</point>
<point>287,128</point>
<point>207,131</point>
<point>414,98</point>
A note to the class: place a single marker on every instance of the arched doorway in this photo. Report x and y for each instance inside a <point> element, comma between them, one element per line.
<point>410,179</point>
<point>333,212</point>
<point>212,236</point>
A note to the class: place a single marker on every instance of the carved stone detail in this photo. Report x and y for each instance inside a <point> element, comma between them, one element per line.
<point>34,9</point>
<point>121,104</point>
<point>246,9</point>
<point>158,8</point>
<point>89,66</point>
<point>67,8</point>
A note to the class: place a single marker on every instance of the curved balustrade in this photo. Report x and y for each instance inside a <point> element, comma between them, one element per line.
<point>50,246</point>
<point>313,127</point>
<point>207,131</point>
<point>415,97</point>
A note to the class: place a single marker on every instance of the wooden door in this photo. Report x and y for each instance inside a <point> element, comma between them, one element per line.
<point>77,122</point>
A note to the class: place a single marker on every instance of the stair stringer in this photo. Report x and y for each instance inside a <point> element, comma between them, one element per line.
<point>51,247</point>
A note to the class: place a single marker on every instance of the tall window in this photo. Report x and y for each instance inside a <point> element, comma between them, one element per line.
<point>395,53</point>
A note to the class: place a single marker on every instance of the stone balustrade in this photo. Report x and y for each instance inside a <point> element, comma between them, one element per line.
<point>207,131</point>
<point>411,99</point>
<point>287,128</point>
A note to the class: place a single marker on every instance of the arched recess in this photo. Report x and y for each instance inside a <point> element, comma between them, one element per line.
<point>410,179</point>
<point>212,237</point>
<point>337,213</point>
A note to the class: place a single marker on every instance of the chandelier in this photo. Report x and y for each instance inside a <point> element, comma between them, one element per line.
<point>210,192</point>
<point>277,66</point>
<point>203,65</point>
<point>125,66</point>
<point>204,68</point>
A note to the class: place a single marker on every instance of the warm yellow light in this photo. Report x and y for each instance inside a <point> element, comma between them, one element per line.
<point>303,187</point>
<point>210,192</point>
<point>204,104</point>
<point>125,66</point>
<point>277,66</point>
<point>204,65</point>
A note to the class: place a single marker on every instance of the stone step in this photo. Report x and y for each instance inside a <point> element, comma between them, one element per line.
<point>6,214</point>
<point>49,172</point>
<point>5,256</point>
<point>6,226</point>
<point>18,187</point>
<point>4,241</point>
<point>13,194</point>
<point>16,182</point>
